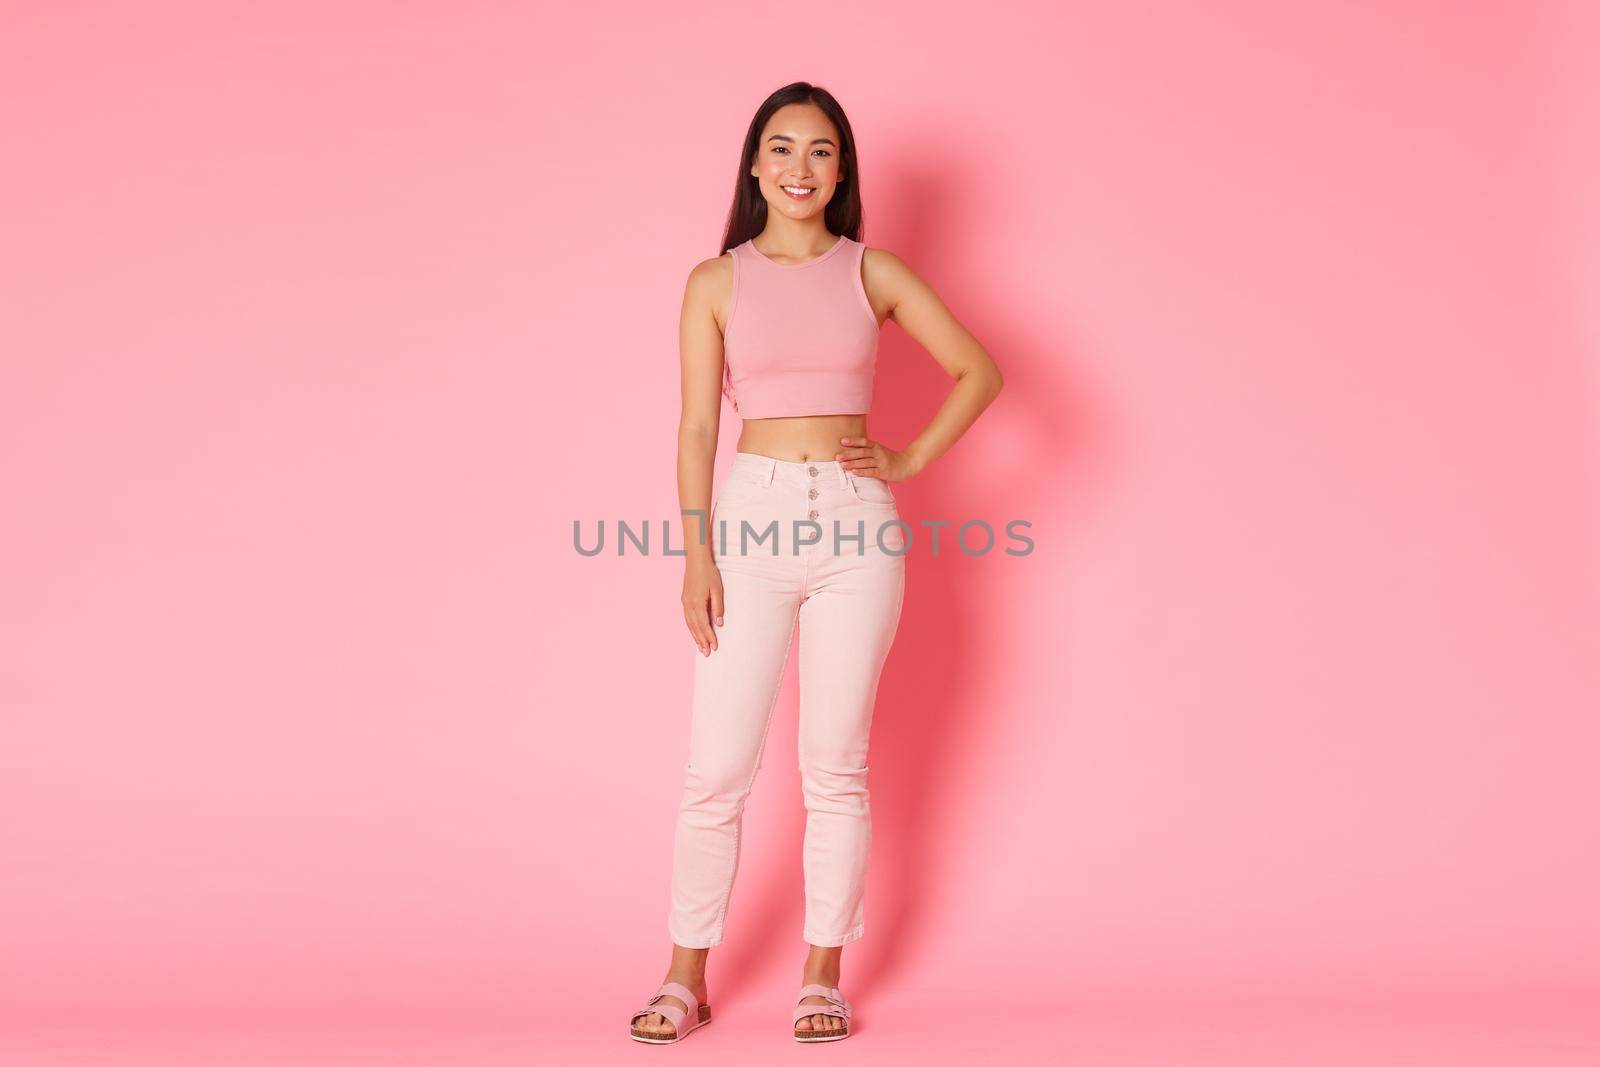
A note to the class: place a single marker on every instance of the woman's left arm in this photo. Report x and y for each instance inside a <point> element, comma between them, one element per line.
<point>919,311</point>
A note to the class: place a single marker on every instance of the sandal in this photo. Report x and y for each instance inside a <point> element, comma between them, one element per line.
<point>837,1006</point>
<point>701,1013</point>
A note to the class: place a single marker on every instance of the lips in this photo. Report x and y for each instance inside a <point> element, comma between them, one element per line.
<point>789,191</point>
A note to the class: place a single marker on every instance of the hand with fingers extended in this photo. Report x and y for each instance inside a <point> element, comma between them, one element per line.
<point>702,602</point>
<point>874,459</point>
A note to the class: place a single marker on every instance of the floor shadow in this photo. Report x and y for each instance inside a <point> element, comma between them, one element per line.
<point>921,727</point>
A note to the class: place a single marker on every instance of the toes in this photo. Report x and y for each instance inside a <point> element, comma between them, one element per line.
<point>819,1022</point>
<point>658,1024</point>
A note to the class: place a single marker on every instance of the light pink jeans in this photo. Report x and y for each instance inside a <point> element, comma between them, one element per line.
<point>846,594</point>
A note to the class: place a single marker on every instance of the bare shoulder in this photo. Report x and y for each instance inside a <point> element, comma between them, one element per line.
<point>711,274</point>
<point>886,266</point>
<point>887,277</point>
<point>883,257</point>
<point>709,288</point>
<point>709,278</point>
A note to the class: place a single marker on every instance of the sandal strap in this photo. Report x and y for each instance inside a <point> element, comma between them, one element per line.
<point>837,1005</point>
<point>683,993</point>
<point>805,1011</point>
<point>672,1012</point>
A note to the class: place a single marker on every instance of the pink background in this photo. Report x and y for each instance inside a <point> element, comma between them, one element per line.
<point>322,323</point>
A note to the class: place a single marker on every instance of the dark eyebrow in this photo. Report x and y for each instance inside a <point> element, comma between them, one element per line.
<point>786,137</point>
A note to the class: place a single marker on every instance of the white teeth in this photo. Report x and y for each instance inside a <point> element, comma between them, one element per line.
<point>797,190</point>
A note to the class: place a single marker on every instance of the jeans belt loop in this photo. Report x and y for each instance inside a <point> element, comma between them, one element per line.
<point>772,468</point>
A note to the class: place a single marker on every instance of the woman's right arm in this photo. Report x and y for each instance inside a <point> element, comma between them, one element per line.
<point>700,351</point>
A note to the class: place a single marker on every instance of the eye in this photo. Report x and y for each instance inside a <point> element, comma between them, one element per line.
<point>824,152</point>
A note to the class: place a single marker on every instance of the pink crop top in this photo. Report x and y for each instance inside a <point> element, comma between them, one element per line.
<point>802,338</point>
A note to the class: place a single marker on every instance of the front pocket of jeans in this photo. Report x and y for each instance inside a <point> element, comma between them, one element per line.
<point>740,491</point>
<point>873,491</point>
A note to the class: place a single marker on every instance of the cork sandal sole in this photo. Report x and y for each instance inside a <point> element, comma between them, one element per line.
<point>666,1039</point>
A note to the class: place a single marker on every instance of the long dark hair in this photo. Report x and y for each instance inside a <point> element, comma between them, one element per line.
<point>748,216</point>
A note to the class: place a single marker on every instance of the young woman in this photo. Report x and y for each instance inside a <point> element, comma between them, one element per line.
<point>785,323</point>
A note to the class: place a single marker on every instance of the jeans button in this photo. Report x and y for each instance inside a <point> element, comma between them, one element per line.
<point>813,493</point>
<point>811,471</point>
<point>813,513</point>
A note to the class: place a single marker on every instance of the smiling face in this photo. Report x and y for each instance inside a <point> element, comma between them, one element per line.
<point>797,161</point>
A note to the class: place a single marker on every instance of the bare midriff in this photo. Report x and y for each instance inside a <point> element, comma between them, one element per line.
<point>802,438</point>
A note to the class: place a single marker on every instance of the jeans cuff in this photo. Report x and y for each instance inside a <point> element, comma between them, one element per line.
<point>836,940</point>
<point>694,942</point>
